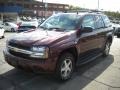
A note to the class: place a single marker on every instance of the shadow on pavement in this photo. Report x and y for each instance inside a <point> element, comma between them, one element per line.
<point>21,80</point>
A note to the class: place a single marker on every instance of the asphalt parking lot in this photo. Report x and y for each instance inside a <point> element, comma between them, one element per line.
<point>101,74</point>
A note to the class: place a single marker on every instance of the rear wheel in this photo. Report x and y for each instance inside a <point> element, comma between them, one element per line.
<point>12,30</point>
<point>3,36</point>
<point>65,66</point>
<point>107,49</point>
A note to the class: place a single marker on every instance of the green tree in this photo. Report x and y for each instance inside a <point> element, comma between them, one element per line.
<point>115,15</point>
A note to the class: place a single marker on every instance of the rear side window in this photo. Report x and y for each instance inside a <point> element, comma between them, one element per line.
<point>106,21</point>
<point>88,21</point>
<point>99,22</point>
<point>6,24</point>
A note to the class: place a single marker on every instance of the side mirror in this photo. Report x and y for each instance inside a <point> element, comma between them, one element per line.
<point>87,29</point>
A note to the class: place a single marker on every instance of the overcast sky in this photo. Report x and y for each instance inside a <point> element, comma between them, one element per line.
<point>110,5</point>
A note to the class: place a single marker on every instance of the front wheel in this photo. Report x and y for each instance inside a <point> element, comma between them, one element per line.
<point>65,66</point>
<point>106,49</point>
<point>118,36</point>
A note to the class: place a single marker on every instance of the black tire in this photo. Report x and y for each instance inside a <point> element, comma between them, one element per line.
<point>106,49</point>
<point>67,71</point>
<point>12,30</point>
<point>118,35</point>
<point>3,36</point>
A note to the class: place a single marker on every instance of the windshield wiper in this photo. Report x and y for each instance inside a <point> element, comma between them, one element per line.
<point>42,27</point>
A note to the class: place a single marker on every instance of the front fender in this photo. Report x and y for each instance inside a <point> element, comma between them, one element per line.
<point>56,50</point>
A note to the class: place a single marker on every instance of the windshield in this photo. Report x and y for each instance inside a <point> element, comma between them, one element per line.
<point>61,21</point>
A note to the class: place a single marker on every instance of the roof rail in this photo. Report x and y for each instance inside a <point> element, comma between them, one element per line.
<point>95,11</point>
<point>87,10</point>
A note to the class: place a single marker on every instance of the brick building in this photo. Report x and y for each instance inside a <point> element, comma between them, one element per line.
<point>31,7</point>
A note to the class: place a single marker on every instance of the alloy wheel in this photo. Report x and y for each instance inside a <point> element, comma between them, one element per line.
<point>107,48</point>
<point>66,68</point>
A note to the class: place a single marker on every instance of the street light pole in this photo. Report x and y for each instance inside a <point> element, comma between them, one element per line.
<point>46,5</point>
<point>42,8</point>
<point>98,4</point>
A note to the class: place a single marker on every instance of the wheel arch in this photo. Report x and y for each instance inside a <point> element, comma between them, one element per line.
<point>72,50</point>
<point>109,39</point>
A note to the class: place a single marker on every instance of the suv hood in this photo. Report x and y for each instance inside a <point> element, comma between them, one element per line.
<point>41,37</point>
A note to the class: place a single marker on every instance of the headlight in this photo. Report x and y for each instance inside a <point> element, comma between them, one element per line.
<point>40,52</point>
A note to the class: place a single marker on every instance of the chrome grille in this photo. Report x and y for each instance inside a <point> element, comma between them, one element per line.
<point>13,44</point>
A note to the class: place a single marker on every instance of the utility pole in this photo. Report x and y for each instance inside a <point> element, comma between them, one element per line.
<point>98,4</point>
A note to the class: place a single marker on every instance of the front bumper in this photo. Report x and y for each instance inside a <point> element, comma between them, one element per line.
<point>42,66</point>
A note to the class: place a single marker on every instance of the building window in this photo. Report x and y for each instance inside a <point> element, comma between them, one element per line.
<point>66,7</point>
<point>60,6</point>
<point>35,6</point>
<point>18,4</point>
<point>10,4</point>
<point>26,5</point>
<point>2,4</point>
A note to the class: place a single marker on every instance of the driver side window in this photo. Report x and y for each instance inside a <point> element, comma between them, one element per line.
<point>88,21</point>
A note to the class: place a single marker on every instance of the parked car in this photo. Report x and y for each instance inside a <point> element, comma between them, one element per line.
<point>26,27</point>
<point>2,32</point>
<point>62,42</point>
<point>118,32</point>
<point>9,26</point>
<point>116,29</point>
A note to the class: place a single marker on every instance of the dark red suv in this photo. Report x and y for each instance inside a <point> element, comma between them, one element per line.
<point>60,43</point>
